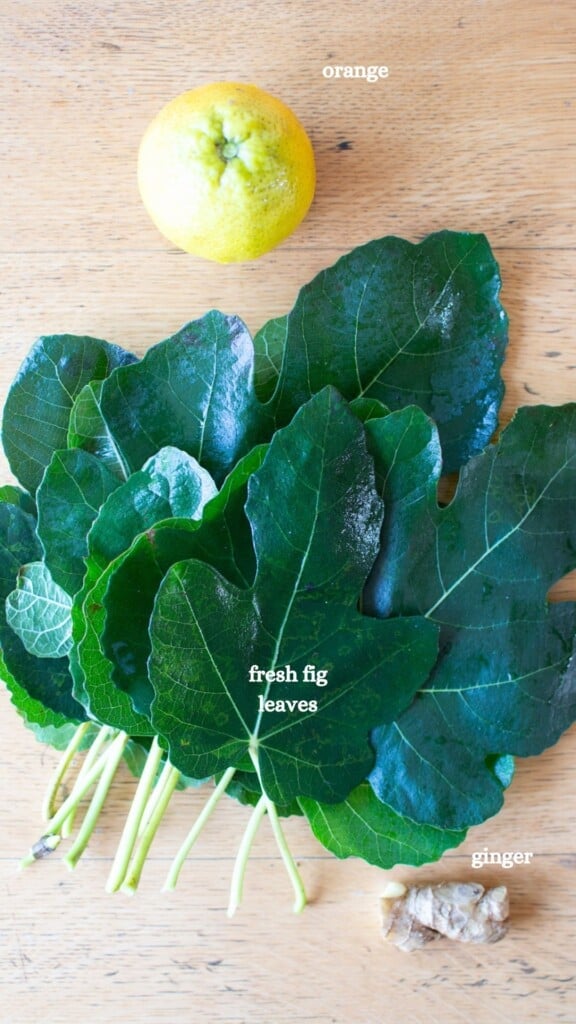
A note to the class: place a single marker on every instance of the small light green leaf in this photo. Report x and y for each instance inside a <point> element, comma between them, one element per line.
<point>73,489</point>
<point>37,409</point>
<point>315,520</point>
<point>363,826</point>
<point>38,611</point>
<point>41,688</point>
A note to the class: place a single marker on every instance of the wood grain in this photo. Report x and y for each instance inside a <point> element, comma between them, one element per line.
<point>473,130</point>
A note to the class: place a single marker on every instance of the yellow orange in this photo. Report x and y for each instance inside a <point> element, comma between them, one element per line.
<point>226,171</point>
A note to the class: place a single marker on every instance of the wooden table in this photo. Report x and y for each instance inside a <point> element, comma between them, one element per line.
<point>473,129</point>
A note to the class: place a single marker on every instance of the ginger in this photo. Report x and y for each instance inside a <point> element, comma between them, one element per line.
<point>464,911</point>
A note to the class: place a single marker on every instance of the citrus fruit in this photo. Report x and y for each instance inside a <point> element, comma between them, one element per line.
<point>226,171</point>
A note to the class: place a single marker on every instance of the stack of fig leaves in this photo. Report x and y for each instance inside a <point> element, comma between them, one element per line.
<point>229,562</point>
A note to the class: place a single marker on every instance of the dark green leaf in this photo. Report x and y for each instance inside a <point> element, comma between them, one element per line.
<point>73,488</point>
<point>401,323</point>
<point>11,495</point>
<point>92,671</point>
<point>87,429</point>
<point>170,483</point>
<point>363,826</point>
<point>38,405</point>
<point>222,538</point>
<point>315,520</point>
<point>193,391</point>
<point>481,568</point>
<point>269,352</point>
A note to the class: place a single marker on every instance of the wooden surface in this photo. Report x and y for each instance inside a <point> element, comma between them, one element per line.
<point>473,129</point>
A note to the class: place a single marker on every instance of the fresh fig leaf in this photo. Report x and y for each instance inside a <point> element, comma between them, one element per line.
<point>39,612</point>
<point>222,538</point>
<point>37,409</point>
<point>92,672</point>
<point>363,826</point>
<point>41,689</point>
<point>88,430</point>
<point>315,519</point>
<point>193,391</point>
<point>170,483</point>
<point>74,487</point>
<point>402,323</point>
<point>269,345</point>
<point>11,495</point>
<point>481,568</point>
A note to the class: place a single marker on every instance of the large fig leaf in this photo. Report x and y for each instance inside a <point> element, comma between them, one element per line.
<point>37,409</point>
<point>73,488</point>
<point>363,826</point>
<point>315,519</point>
<point>481,568</point>
<point>402,323</point>
<point>41,689</point>
<point>193,391</point>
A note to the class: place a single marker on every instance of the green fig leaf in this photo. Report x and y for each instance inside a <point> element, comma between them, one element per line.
<point>170,482</point>
<point>481,568</point>
<point>39,402</point>
<point>193,391</point>
<point>39,612</point>
<point>315,519</point>
<point>74,487</point>
<point>363,826</point>
<point>406,324</point>
<point>222,538</point>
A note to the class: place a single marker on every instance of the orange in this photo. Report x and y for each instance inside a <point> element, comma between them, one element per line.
<point>226,171</point>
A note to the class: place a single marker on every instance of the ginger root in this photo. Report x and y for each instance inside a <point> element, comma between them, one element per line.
<point>464,911</point>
